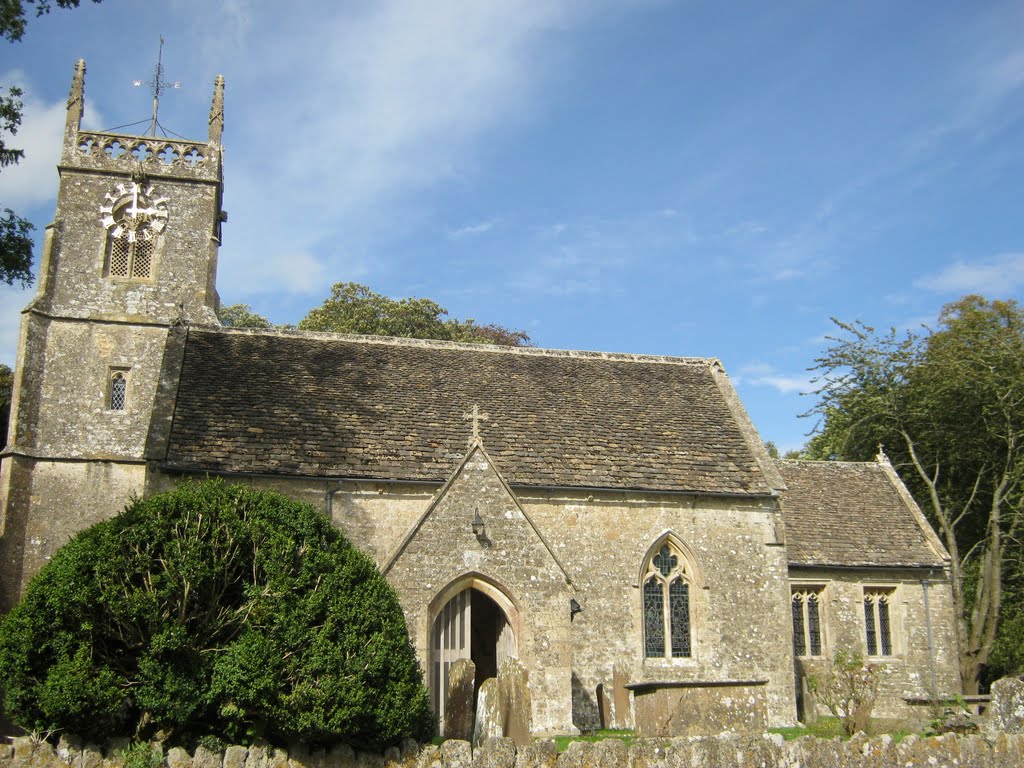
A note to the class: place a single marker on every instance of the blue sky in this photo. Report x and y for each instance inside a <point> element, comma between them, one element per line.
<point>680,178</point>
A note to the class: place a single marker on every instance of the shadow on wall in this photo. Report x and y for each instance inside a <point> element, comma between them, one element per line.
<point>585,713</point>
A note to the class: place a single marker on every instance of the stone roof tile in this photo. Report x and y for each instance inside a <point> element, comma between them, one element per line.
<point>852,514</point>
<point>332,405</point>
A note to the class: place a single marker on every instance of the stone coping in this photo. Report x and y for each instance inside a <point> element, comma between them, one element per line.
<point>765,751</point>
<point>642,687</point>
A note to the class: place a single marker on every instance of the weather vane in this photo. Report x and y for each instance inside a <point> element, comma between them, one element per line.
<point>159,85</point>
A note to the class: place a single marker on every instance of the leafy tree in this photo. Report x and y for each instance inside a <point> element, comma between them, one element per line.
<point>948,404</point>
<point>12,14</point>
<point>6,389</point>
<point>213,611</point>
<point>15,240</point>
<point>241,316</point>
<point>354,308</point>
<point>15,237</point>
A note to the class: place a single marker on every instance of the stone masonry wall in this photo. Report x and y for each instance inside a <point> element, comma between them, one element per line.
<point>444,556</point>
<point>740,622</point>
<point>1000,751</point>
<point>68,496</point>
<point>906,673</point>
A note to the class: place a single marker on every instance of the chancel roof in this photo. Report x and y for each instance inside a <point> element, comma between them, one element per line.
<point>853,514</point>
<point>388,409</point>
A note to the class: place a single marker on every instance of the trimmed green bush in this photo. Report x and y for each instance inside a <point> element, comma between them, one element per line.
<point>213,611</point>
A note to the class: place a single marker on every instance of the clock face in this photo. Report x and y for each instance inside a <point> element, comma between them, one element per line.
<point>134,209</point>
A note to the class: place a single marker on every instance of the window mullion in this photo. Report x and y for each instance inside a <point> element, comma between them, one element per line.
<point>666,617</point>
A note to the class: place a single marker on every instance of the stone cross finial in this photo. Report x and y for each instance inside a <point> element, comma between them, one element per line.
<point>477,417</point>
<point>881,458</point>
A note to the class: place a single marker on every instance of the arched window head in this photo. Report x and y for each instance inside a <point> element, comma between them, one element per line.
<point>666,594</point>
<point>118,391</point>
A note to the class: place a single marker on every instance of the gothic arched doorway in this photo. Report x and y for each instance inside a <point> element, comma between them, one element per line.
<point>470,625</point>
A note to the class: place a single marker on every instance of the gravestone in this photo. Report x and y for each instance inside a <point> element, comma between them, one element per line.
<point>516,706</point>
<point>620,697</point>
<point>458,711</point>
<point>489,718</point>
<point>1005,713</point>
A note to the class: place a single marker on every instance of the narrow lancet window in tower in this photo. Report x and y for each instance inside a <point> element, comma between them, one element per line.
<point>118,397</point>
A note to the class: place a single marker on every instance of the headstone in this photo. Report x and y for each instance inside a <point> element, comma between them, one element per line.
<point>1006,710</point>
<point>604,706</point>
<point>516,706</point>
<point>488,712</point>
<point>810,712</point>
<point>458,710</point>
<point>620,697</point>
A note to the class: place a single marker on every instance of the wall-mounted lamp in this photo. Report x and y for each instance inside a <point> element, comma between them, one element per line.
<point>574,608</point>
<point>478,525</point>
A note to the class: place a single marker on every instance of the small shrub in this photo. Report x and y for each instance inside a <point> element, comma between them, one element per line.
<point>213,611</point>
<point>848,688</point>
<point>143,754</point>
<point>953,716</point>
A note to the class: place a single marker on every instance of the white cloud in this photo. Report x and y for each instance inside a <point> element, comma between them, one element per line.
<point>34,179</point>
<point>993,276</point>
<point>764,375</point>
<point>375,103</point>
<point>293,272</point>
<point>472,230</point>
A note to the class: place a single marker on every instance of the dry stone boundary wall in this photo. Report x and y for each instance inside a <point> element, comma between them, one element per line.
<point>768,751</point>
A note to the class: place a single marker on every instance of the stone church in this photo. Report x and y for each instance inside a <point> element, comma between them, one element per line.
<point>611,520</point>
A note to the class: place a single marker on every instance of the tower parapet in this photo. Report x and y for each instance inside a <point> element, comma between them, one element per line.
<point>143,155</point>
<point>110,152</point>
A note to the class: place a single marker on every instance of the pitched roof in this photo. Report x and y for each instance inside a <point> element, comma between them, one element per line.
<point>379,408</point>
<point>853,514</point>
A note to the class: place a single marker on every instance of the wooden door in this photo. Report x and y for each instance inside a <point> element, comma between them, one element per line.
<point>451,641</point>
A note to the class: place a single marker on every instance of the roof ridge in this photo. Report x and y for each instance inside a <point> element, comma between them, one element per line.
<point>829,462</point>
<point>398,341</point>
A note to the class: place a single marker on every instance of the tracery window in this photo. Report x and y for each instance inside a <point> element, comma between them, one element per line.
<point>878,621</point>
<point>666,596</point>
<point>806,605</point>
<point>117,397</point>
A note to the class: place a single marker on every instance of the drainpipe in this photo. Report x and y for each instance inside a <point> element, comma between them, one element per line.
<point>329,492</point>
<point>931,641</point>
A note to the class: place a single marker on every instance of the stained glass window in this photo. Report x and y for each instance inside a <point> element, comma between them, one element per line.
<point>666,595</point>
<point>806,621</point>
<point>679,617</point>
<point>654,619</point>
<point>877,621</point>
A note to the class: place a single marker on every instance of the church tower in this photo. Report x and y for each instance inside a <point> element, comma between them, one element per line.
<point>130,258</point>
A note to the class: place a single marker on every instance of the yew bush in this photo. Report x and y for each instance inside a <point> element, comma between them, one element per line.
<point>213,611</point>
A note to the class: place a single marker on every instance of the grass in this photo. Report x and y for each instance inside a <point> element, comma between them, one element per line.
<point>625,736</point>
<point>831,727</point>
